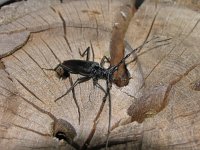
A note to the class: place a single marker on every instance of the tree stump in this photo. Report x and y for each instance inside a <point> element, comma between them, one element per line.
<point>159,107</point>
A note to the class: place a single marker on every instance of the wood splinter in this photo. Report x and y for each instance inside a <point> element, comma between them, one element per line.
<point>121,77</point>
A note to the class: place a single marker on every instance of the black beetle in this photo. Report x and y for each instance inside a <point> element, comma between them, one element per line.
<point>91,70</point>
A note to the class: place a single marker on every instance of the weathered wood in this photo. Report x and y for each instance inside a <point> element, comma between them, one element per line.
<point>10,43</point>
<point>164,86</point>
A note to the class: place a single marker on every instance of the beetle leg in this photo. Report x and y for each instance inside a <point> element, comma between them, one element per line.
<point>95,81</point>
<point>103,60</point>
<point>78,81</point>
<point>86,52</point>
<point>75,100</point>
<point>109,84</point>
<point>107,94</point>
<point>100,87</point>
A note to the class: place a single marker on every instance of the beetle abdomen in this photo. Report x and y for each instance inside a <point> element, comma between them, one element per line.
<point>79,66</point>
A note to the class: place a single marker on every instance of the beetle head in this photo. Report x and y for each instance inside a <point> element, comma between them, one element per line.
<point>61,72</point>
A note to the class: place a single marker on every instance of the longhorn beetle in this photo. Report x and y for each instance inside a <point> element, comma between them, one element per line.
<point>91,70</point>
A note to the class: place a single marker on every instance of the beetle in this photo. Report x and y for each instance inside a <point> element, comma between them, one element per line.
<point>91,70</point>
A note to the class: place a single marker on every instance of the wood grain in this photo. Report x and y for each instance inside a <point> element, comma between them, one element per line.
<point>164,85</point>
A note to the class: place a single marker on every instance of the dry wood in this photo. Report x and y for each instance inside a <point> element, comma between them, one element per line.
<point>158,109</point>
<point>117,46</point>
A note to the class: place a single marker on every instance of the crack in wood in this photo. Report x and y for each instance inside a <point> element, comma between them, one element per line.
<point>87,27</point>
<point>35,63</point>
<point>2,66</point>
<point>15,68</point>
<point>18,64</point>
<point>97,26</point>
<point>10,138</point>
<point>40,147</point>
<point>26,29</point>
<point>30,91</point>
<point>159,62</point>
<point>128,94</point>
<point>67,26</point>
<point>31,130</point>
<point>168,39</point>
<point>71,82</point>
<point>18,21</point>
<point>187,115</point>
<point>86,3</point>
<point>165,100</point>
<point>44,20</point>
<point>46,61</point>
<point>20,45</point>
<point>186,36</point>
<point>32,104</point>
<point>180,77</point>
<point>195,25</point>
<point>152,101</point>
<point>111,143</point>
<point>87,142</point>
<point>174,47</point>
<point>20,116</point>
<point>51,50</point>
<point>150,29</point>
<point>64,26</point>
<point>102,12</point>
<point>55,120</point>
<point>78,15</point>
<point>16,138</point>
<point>12,93</point>
<point>95,122</point>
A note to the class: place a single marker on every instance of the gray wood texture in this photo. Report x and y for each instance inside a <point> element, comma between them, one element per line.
<point>158,109</point>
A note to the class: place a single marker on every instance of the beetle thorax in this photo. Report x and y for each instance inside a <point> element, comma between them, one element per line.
<point>98,72</point>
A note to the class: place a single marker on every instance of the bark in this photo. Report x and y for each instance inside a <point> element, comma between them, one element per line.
<point>158,109</point>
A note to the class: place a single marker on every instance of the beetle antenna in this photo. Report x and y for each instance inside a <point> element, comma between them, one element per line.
<point>48,69</point>
<point>128,55</point>
<point>54,68</point>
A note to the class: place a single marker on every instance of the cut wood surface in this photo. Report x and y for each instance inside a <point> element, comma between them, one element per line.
<point>158,109</point>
